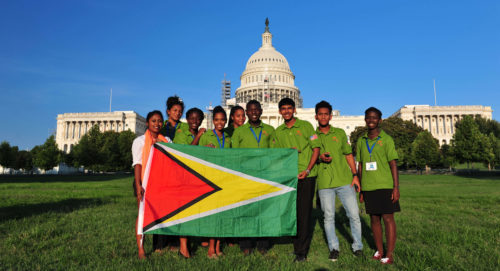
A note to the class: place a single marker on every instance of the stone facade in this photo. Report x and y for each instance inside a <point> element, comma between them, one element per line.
<point>72,126</point>
<point>440,120</point>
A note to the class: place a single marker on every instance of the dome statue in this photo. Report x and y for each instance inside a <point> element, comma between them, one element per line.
<point>267,77</point>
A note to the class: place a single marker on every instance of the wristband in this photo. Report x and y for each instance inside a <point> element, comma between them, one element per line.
<point>355,175</point>
<point>308,172</point>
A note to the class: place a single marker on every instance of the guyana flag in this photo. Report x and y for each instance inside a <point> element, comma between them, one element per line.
<point>200,191</point>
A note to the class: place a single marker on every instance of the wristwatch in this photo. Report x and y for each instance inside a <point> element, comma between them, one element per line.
<point>355,175</point>
<point>308,172</point>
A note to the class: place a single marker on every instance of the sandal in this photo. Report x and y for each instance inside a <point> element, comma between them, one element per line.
<point>377,256</point>
<point>386,261</point>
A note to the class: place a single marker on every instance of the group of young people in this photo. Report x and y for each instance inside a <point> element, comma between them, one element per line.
<point>325,164</point>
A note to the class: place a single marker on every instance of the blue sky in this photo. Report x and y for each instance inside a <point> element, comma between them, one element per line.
<point>64,56</point>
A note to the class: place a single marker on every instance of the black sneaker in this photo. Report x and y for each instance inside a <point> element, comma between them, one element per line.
<point>358,253</point>
<point>334,255</point>
<point>300,258</point>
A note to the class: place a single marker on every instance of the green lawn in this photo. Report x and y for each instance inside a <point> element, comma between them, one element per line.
<point>87,222</point>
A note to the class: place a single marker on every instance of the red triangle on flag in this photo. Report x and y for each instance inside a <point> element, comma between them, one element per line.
<point>172,187</point>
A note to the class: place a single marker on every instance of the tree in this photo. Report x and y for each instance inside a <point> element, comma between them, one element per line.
<point>48,155</point>
<point>467,141</point>
<point>402,131</point>
<point>24,160</point>
<point>87,152</point>
<point>108,151</point>
<point>6,155</point>
<point>490,148</point>
<point>495,144</point>
<point>425,151</point>
<point>14,152</point>
<point>125,141</point>
<point>447,157</point>
<point>487,126</point>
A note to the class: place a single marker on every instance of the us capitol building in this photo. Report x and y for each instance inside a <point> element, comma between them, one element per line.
<point>267,78</point>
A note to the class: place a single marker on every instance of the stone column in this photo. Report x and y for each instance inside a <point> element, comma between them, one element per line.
<point>71,128</point>
<point>444,124</point>
<point>436,126</point>
<point>79,129</point>
<point>65,136</point>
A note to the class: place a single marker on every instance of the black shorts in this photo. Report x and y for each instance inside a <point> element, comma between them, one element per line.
<point>379,202</point>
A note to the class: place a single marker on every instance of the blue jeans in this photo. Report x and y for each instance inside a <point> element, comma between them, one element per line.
<point>348,198</point>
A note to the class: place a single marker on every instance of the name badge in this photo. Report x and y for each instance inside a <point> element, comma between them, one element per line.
<point>370,166</point>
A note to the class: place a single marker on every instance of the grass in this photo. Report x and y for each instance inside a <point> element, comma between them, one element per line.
<point>87,222</point>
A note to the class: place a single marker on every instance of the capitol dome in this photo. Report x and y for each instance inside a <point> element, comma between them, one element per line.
<point>267,77</point>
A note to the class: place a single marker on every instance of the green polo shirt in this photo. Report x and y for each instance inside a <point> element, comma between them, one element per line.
<point>337,172</point>
<point>243,137</point>
<point>209,137</point>
<point>383,152</point>
<point>168,130</point>
<point>183,136</point>
<point>301,136</point>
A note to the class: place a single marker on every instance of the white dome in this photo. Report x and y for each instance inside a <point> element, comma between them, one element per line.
<point>267,57</point>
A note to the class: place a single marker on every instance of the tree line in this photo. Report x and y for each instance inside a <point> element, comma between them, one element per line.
<point>97,151</point>
<point>475,140</point>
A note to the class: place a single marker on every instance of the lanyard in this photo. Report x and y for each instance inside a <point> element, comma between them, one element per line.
<point>373,146</point>
<point>260,135</point>
<point>221,146</point>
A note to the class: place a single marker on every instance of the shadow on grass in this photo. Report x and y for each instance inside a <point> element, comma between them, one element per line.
<point>64,206</point>
<point>61,178</point>
<point>342,225</point>
<point>476,174</point>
